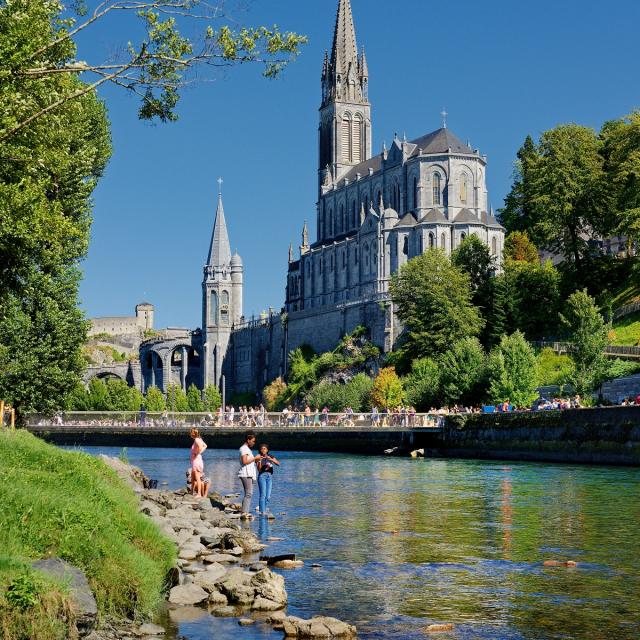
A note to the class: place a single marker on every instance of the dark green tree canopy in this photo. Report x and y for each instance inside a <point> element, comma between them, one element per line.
<point>433,300</point>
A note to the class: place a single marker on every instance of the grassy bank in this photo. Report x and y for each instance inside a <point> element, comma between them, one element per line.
<point>56,503</point>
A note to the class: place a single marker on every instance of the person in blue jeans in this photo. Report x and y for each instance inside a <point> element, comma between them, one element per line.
<point>265,477</point>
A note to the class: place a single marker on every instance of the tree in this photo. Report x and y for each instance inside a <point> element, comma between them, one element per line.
<point>433,300</point>
<point>176,399</point>
<point>154,400</point>
<point>463,372</point>
<point>212,398</point>
<point>38,48</point>
<point>273,392</point>
<point>621,139</point>
<point>499,312</point>
<point>560,189</point>
<point>387,391</point>
<point>98,396</point>
<point>41,332</point>
<point>512,371</point>
<point>118,396</point>
<point>194,399</point>
<point>474,258</point>
<point>336,397</point>
<point>518,248</point>
<point>422,385</point>
<point>533,292</point>
<point>588,337</point>
<point>517,213</point>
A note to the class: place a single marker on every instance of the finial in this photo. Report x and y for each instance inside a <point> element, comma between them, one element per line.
<point>404,136</point>
<point>220,181</point>
<point>444,115</point>
<point>291,252</point>
<point>305,235</point>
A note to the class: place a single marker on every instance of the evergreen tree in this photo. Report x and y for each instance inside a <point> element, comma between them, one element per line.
<point>588,336</point>
<point>154,400</point>
<point>194,399</point>
<point>499,312</point>
<point>512,371</point>
<point>517,213</point>
<point>433,300</point>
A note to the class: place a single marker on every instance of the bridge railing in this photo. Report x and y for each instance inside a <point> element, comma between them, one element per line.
<point>240,421</point>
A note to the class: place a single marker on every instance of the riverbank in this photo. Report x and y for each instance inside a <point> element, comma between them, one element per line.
<point>76,526</point>
<point>69,505</point>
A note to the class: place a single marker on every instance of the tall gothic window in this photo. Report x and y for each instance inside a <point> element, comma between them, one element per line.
<point>432,241</point>
<point>213,308</point>
<point>494,246</point>
<point>224,307</point>
<point>356,139</point>
<point>415,192</point>
<point>436,188</point>
<point>463,188</point>
<point>347,140</point>
<point>405,246</point>
<point>442,242</point>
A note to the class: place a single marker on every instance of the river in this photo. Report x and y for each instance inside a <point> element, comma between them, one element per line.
<point>404,543</point>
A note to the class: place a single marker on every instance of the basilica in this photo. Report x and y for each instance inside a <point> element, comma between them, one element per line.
<point>373,213</point>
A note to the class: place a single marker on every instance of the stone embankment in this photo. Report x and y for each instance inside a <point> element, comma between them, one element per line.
<point>218,566</point>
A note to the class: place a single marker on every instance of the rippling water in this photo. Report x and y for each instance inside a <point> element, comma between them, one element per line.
<point>404,543</point>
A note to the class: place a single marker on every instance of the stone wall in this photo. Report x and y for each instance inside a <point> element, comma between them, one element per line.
<point>608,435</point>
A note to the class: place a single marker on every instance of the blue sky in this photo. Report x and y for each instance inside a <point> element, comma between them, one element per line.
<point>502,68</point>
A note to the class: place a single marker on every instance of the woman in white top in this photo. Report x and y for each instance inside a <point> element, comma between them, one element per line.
<point>247,472</point>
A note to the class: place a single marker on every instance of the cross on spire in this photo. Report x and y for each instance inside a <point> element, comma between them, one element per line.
<point>219,181</point>
<point>444,115</point>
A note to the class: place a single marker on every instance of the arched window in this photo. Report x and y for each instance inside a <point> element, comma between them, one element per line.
<point>378,197</point>
<point>420,244</point>
<point>463,235</point>
<point>356,139</point>
<point>373,255</point>
<point>436,188</point>
<point>432,241</point>
<point>347,144</point>
<point>341,219</point>
<point>405,246</point>
<point>463,188</point>
<point>224,307</point>
<point>415,192</point>
<point>366,256</point>
<point>494,246</point>
<point>443,244</point>
<point>213,308</point>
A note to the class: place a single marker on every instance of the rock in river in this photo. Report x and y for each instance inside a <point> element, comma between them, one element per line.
<point>188,594</point>
<point>317,627</point>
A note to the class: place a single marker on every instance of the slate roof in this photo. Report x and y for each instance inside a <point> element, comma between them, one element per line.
<point>466,217</point>
<point>433,216</point>
<point>407,221</point>
<point>490,220</point>
<point>441,141</point>
<point>220,249</point>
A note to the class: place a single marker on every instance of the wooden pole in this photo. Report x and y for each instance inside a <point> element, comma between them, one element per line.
<point>1,413</point>
<point>13,418</point>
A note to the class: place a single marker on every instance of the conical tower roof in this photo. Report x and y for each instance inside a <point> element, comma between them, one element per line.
<point>344,50</point>
<point>220,249</point>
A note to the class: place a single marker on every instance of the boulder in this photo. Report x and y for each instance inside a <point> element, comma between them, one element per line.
<point>210,576</point>
<point>217,599</point>
<point>288,564</point>
<point>269,586</point>
<point>188,594</point>
<point>245,622</point>
<point>317,627</point>
<point>83,602</point>
<point>439,628</point>
<point>235,584</point>
<point>218,557</point>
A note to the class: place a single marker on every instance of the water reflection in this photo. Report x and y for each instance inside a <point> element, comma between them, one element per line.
<point>404,543</point>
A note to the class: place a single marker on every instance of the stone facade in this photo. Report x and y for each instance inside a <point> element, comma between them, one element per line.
<point>124,325</point>
<point>374,212</point>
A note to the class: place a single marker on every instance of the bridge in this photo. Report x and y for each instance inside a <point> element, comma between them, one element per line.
<point>285,431</point>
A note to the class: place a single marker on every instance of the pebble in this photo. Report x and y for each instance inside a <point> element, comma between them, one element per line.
<point>274,539</point>
<point>315,565</point>
<point>245,622</point>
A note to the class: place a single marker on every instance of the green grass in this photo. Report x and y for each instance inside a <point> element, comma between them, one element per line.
<point>626,330</point>
<point>553,369</point>
<point>56,503</point>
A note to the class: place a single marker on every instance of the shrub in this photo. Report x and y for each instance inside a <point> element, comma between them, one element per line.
<point>194,399</point>
<point>212,398</point>
<point>272,392</point>
<point>154,400</point>
<point>177,399</point>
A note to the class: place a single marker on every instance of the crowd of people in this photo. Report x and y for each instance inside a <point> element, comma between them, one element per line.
<point>254,468</point>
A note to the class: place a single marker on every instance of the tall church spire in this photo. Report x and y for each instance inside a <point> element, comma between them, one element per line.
<point>344,51</point>
<point>220,249</point>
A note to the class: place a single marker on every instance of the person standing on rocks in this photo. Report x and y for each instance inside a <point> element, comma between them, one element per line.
<point>248,472</point>
<point>197,463</point>
<point>265,477</point>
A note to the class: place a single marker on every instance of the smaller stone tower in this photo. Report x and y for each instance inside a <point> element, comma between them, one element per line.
<point>221,298</point>
<point>144,315</point>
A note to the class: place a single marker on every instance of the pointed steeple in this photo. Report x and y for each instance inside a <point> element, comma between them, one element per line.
<point>305,236</point>
<point>220,249</point>
<point>290,252</point>
<point>344,51</point>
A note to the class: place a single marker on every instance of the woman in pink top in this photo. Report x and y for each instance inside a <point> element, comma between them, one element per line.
<point>197,464</point>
